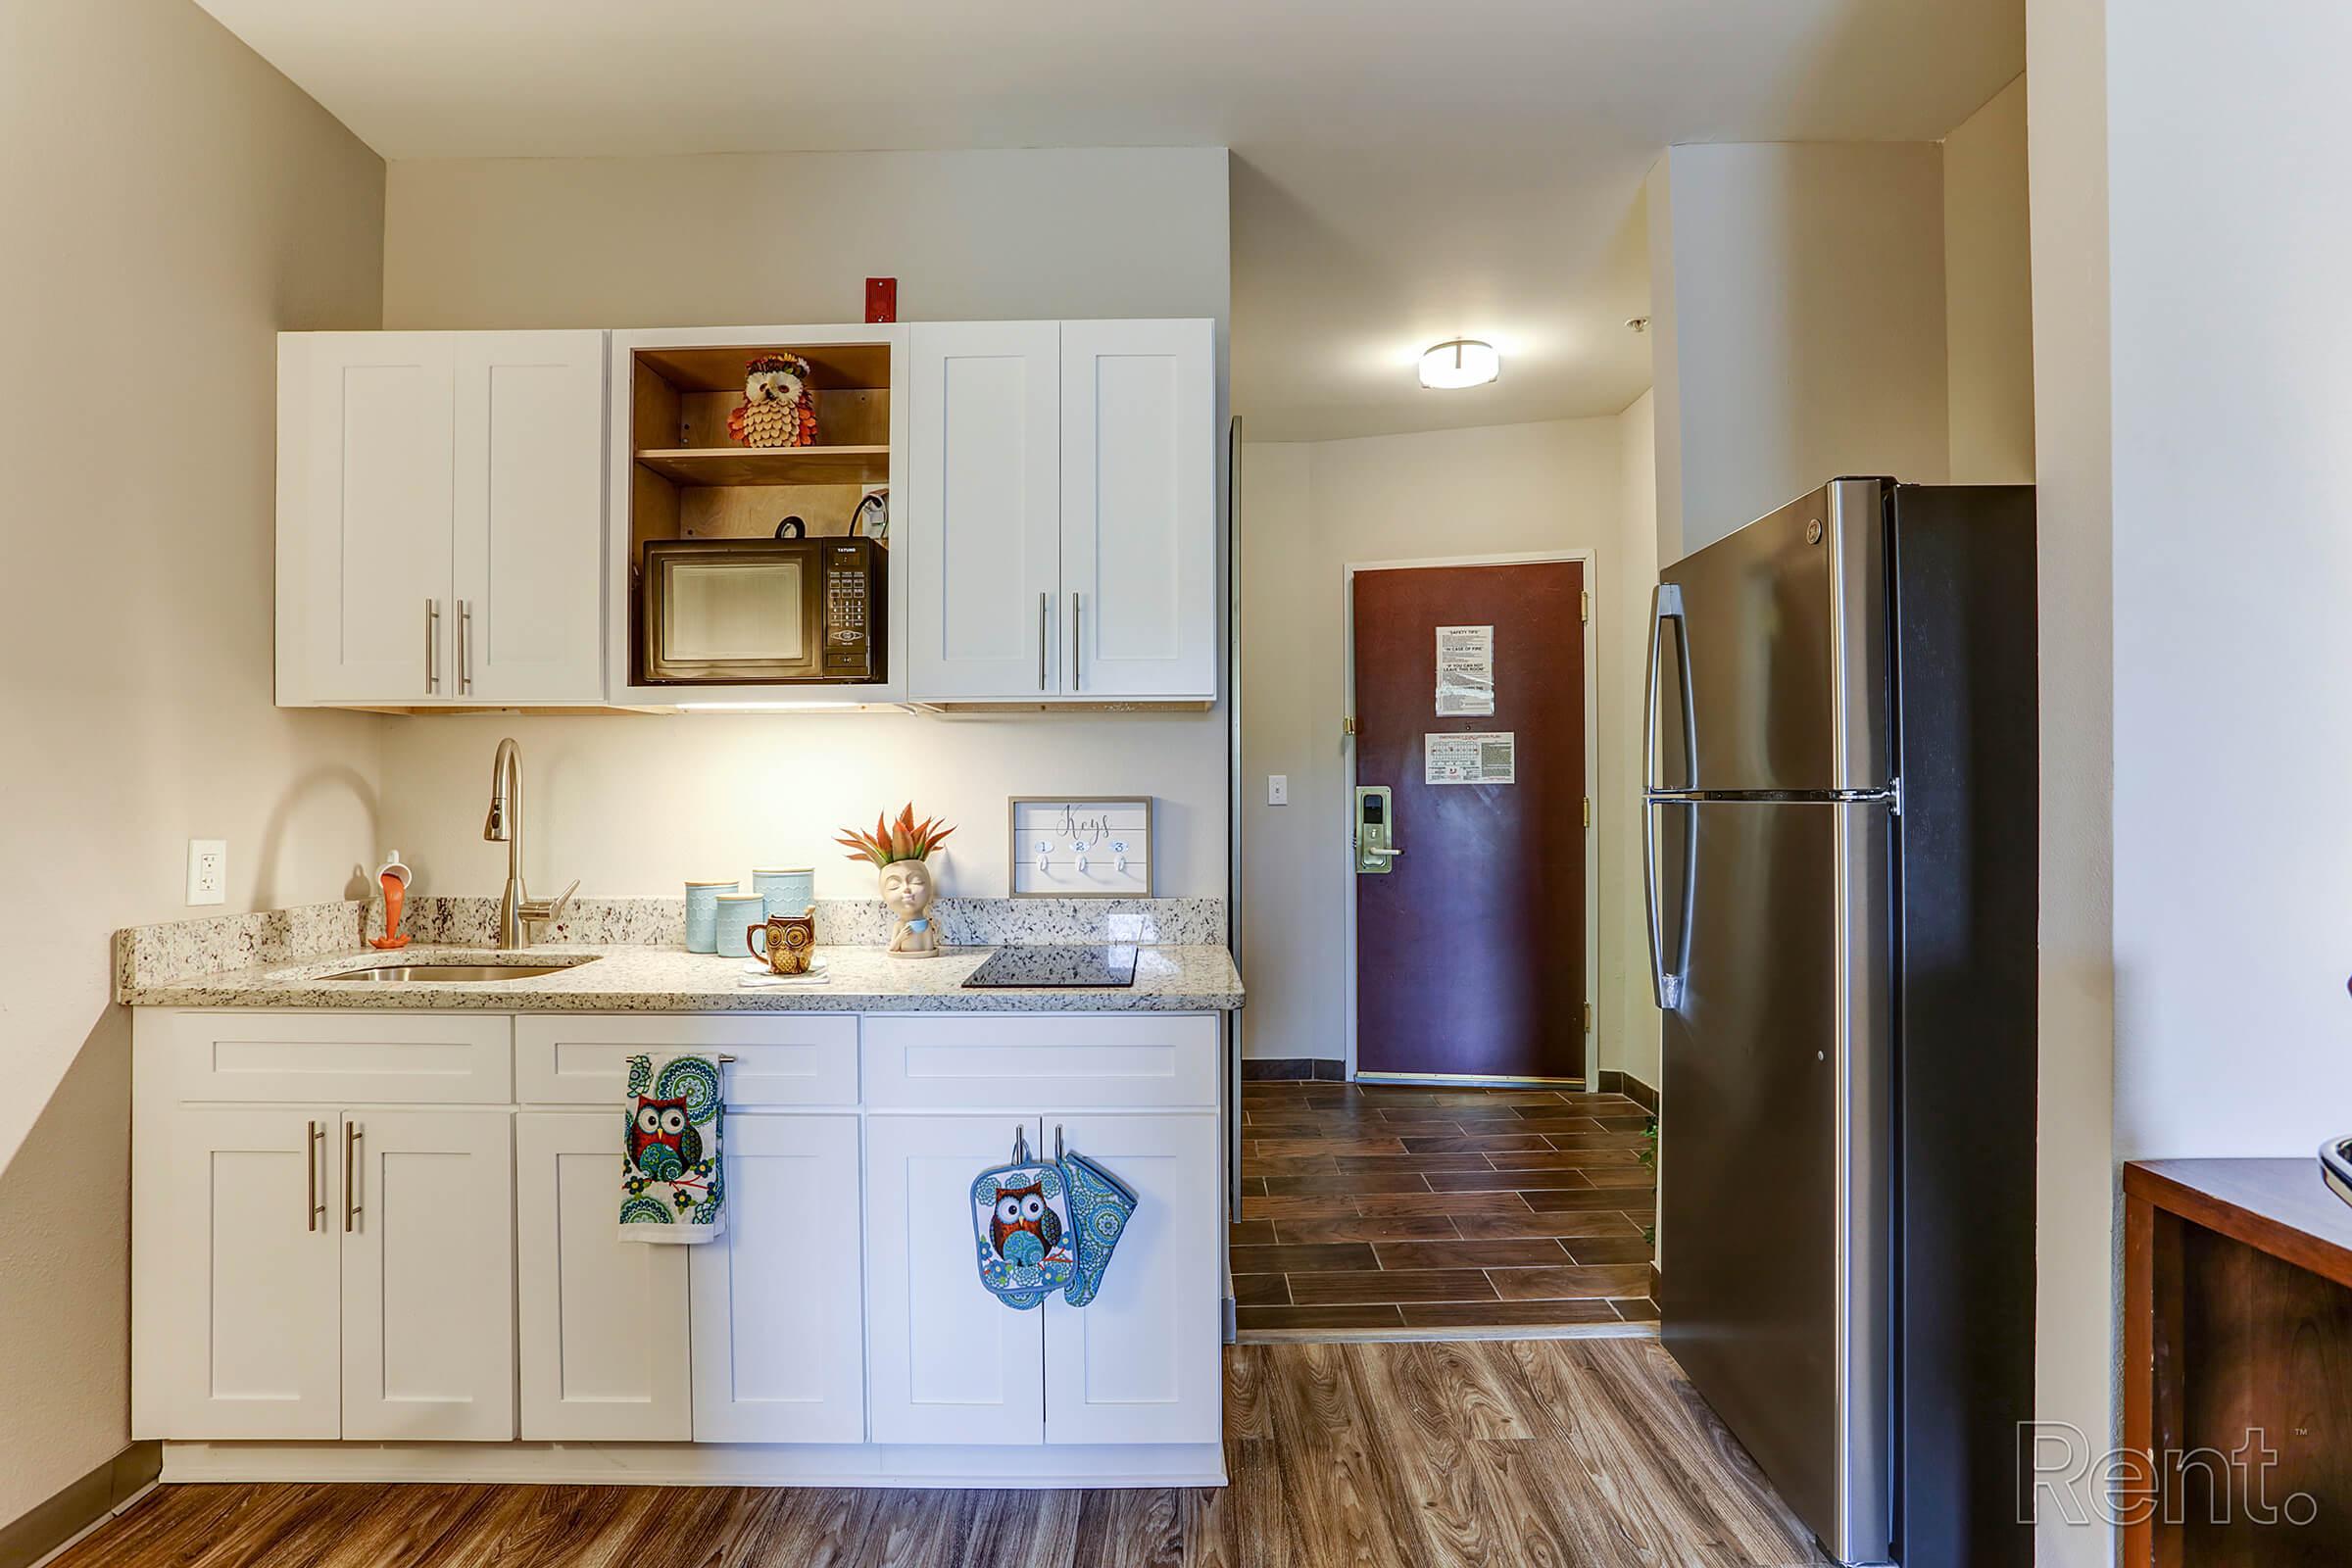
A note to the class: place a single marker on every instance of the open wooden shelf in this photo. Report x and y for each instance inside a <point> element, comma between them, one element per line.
<point>764,466</point>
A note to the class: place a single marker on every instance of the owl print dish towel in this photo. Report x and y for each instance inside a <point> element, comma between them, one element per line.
<point>670,1178</point>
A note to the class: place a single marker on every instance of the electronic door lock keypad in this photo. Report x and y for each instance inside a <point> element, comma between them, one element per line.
<point>1375,831</point>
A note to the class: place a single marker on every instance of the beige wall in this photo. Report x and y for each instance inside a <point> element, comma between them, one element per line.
<point>639,804</point>
<point>1628,1017</point>
<point>172,203</point>
<point>2076,1355</point>
<point>1307,511</point>
<point>1797,297</point>
<point>1989,294</point>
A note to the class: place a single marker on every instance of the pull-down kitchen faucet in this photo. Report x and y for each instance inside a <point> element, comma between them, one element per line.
<point>517,910</point>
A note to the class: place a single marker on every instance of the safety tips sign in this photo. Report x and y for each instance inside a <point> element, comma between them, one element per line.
<point>1465,670</point>
<point>1475,756</point>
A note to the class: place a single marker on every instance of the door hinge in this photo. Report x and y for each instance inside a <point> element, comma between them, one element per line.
<point>1348,726</point>
<point>1587,1017</point>
<point>1587,811</point>
<point>1584,609</point>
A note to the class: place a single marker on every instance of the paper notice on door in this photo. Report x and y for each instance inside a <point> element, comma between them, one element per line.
<point>1477,757</point>
<point>1465,670</point>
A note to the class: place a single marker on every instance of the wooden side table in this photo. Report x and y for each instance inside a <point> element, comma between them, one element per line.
<point>2238,1364</point>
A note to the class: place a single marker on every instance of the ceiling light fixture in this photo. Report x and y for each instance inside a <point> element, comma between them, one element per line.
<point>1463,361</point>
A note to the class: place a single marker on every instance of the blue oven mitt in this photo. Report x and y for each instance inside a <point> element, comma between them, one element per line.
<point>1100,1203</point>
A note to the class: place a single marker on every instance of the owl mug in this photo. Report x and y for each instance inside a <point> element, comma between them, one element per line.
<point>786,941</point>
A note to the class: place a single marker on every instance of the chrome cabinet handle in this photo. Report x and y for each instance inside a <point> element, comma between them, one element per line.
<point>465,646</point>
<point>1074,646</point>
<point>1044,604</point>
<point>432,646</point>
<point>1058,1153</point>
<point>313,1153</point>
<point>351,1186</point>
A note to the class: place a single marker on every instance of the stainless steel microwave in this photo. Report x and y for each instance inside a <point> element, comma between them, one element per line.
<point>764,612</point>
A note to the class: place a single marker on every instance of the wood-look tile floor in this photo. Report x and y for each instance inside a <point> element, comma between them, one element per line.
<point>1525,1453</point>
<point>1376,1207</point>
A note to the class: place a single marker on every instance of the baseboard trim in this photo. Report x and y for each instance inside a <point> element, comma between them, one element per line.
<point>705,1464</point>
<point>1292,1070</point>
<point>48,1528</point>
<point>1614,1082</point>
<point>1447,1335</point>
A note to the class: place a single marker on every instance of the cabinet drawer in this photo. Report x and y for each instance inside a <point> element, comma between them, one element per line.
<point>344,1059</point>
<point>780,1058</point>
<point>1024,1061</point>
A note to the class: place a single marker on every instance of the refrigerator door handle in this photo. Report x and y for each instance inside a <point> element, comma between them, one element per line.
<point>1666,604</point>
<point>1666,985</point>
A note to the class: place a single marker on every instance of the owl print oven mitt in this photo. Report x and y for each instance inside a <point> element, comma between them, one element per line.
<point>1021,1224</point>
<point>1047,1225</point>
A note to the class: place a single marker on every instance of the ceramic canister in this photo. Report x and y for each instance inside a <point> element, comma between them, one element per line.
<point>789,891</point>
<point>702,915</point>
<point>737,913</point>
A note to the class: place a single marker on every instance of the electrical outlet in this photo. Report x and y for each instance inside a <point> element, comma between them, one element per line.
<point>208,870</point>
<point>1278,789</point>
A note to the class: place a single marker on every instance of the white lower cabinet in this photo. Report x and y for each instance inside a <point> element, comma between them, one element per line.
<point>780,1330</point>
<point>1142,1362</point>
<point>951,1363</point>
<point>242,1256</point>
<point>428,1275</point>
<point>606,1334</point>
<point>331,1274</point>
<point>947,1362</point>
<point>320,1254</point>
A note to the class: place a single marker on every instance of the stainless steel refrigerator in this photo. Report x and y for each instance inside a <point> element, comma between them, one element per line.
<point>1842,855</point>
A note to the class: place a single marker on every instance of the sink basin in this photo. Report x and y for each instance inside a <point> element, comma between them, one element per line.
<point>429,972</point>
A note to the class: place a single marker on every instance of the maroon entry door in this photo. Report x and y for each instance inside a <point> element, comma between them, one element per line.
<point>1470,950</point>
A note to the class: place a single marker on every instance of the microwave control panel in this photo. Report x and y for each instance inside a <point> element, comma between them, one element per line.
<point>853,588</point>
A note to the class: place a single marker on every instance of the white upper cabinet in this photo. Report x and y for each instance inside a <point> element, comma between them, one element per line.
<point>982,536</point>
<point>364,462</point>
<point>440,517</point>
<point>1061,515</point>
<point>1139,476</point>
<point>530,506</point>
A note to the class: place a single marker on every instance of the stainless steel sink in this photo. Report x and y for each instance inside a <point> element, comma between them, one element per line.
<point>424,974</point>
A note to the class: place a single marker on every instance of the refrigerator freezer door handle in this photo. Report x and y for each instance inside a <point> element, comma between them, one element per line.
<point>1666,604</point>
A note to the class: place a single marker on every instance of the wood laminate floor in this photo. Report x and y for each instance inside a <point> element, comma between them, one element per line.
<point>1377,1208</point>
<point>1527,1453</point>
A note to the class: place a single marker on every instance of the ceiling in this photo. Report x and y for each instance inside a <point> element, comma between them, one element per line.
<point>1405,171</point>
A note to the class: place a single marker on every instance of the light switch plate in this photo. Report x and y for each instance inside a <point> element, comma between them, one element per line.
<point>208,871</point>
<point>1278,789</point>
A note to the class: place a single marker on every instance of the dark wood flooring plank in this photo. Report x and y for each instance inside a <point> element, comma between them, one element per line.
<point>1533,1251</point>
<point>1480,1143</point>
<point>1554,1284</point>
<point>1306,1257</point>
<point>1361,1315</point>
<point>1308,1186</point>
<point>1395,1285</point>
<point>1501,1314</point>
<point>1488,1181</point>
<point>1586,1223</point>
<point>1375,1228</point>
<point>1261,1290</point>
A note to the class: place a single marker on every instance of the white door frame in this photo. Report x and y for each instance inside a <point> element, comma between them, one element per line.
<point>1590,627</point>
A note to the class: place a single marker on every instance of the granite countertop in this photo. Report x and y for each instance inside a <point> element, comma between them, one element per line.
<point>637,978</point>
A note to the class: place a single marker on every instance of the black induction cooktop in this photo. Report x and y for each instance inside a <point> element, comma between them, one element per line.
<point>1055,965</point>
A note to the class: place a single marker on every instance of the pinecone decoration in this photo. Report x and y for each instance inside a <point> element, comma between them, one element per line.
<point>771,424</point>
